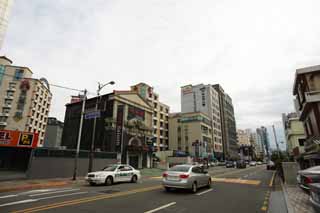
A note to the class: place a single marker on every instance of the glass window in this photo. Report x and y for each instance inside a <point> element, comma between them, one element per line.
<point>180,168</point>
<point>110,168</point>
<point>197,170</point>
<point>18,74</point>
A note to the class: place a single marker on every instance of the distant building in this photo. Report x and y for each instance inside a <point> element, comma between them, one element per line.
<point>306,89</point>
<point>205,99</point>
<point>24,101</point>
<point>124,127</point>
<point>263,140</point>
<point>53,134</point>
<point>228,124</point>
<point>243,137</point>
<point>191,133</point>
<point>160,115</point>
<point>5,8</point>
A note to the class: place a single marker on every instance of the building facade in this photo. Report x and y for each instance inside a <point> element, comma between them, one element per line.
<point>243,137</point>
<point>53,134</point>
<point>124,127</point>
<point>205,99</point>
<point>228,124</point>
<point>191,133</point>
<point>306,89</point>
<point>160,117</point>
<point>24,102</point>
<point>5,8</point>
<point>263,140</point>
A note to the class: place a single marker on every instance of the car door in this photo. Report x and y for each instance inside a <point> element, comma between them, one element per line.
<point>120,174</point>
<point>128,173</point>
<point>197,173</point>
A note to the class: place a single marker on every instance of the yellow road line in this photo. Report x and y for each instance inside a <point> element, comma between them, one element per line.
<point>159,177</point>
<point>271,181</point>
<point>85,200</point>
<point>237,171</point>
<point>264,208</point>
<point>240,181</point>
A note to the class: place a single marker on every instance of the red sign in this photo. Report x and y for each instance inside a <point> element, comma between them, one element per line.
<point>18,139</point>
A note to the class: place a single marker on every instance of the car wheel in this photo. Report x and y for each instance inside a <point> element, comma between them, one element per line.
<point>108,181</point>
<point>194,188</point>
<point>134,179</point>
<point>168,189</point>
<point>209,183</point>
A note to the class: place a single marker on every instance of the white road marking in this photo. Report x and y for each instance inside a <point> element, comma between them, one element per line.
<point>18,202</point>
<point>201,193</point>
<point>77,193</point>
<point>161,207</point>
<point>54,192</point>
<point>8,196</point>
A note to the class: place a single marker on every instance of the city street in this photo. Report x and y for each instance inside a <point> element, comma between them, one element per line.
<point>233,190</point>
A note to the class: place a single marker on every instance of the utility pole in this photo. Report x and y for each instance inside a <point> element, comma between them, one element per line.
<point>275,138</point>
<point>79,136</point>
<point>100,86</point>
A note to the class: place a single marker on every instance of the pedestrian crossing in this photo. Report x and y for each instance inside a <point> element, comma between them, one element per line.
<point>38,195</point>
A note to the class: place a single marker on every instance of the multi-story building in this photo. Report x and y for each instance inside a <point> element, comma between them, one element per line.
<point>53,134</point>
<point>306,88</point>
<point>228,124</point>
<point>205,99</point>
<point>24,101</point>
<point>263,141</point>
<point>243,137</point>
<point>124,127</point>
<point>191,133</point>
<point>160,116</point>
<point>5,7</point>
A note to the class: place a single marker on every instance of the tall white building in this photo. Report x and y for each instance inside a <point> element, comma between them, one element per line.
<point>24,102</point>
<point>5,7</point>
<point>205,99</point>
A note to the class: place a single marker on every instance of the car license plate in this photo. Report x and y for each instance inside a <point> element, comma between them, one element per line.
<point>173,178</point>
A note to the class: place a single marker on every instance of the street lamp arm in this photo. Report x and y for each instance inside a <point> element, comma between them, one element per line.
<point>100,86</point>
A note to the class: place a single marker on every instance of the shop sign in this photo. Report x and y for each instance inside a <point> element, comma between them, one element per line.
<point>135,113</point>
<point>10,138</point>
<point>186,90</point>
<point>119,125</point>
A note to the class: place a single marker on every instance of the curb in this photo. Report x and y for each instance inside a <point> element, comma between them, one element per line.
<point>286,198</point>
<point>35,186</point>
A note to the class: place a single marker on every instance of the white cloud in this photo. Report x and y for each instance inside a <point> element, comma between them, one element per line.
<point>251,48</point>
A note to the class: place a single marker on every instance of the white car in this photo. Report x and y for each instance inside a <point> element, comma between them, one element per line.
<point>253,163</point>
<point>114,174</point>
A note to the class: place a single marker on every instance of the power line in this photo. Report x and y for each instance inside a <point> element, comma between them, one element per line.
<point>53,85</point>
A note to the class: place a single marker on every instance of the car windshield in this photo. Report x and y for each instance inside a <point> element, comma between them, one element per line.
<point>111,168</point>
<point>180,169</point>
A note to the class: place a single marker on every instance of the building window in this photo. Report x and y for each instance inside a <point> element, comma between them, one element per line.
<point>18,74</point>
<point>155,131</point>
<point>155,122</point>
<point>161,132</point>
<point>161,108</point>
<point>301,142</point>
<point>167,110</point>
<point>161,124</point>
<point>155,97</point>
<point>161,116</point>
<point>155,105</point>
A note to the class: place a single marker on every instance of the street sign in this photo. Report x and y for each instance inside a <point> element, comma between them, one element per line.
<point>92,115</point>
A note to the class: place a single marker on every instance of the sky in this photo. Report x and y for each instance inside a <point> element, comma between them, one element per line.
<point>252,48</point>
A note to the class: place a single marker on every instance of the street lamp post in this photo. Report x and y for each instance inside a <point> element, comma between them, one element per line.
<point>100,86</point>
<point>79,136</point>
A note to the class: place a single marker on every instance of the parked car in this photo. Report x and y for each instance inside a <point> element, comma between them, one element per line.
<point>186,177</point>
<point>113,174</point>
<point>229,164</point>
<point>241,164</point>
<point>315,196</point>
<point>259,163</point>
<point>221,163</point>
<point>308,176</point>
<point>271,165</point>
<point>253,163</point>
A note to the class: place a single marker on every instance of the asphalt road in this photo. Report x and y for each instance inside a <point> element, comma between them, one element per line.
<point>233,190</point>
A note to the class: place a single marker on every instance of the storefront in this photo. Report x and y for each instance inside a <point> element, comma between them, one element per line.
<point>15,149</point>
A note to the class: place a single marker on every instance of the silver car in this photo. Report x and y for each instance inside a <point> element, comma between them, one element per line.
<point>186,177</point>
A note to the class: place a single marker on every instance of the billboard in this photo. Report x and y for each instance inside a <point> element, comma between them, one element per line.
<point>9,138</point>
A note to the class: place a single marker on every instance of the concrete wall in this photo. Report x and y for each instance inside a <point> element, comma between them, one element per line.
<point>56,167</point>
<point>290,170</point>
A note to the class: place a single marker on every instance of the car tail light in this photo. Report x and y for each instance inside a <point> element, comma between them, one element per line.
<point>184,176</point>
<point>164,175</point>
<point>308,180</point>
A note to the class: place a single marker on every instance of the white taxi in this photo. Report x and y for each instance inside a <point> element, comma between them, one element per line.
<point>114,174</point>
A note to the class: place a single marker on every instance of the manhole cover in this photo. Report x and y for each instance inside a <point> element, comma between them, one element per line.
<point>109,191</point>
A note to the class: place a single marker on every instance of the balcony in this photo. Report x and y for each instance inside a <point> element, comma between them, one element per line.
<point>8,97</point>
<point>7,106</point>
<point>3,123</point>
<point>313,96</point>
<point>2,114</point>
<point>11,89</point>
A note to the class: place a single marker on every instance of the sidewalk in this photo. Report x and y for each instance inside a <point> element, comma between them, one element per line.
<point>297,200</point>
<point>16,185</point>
